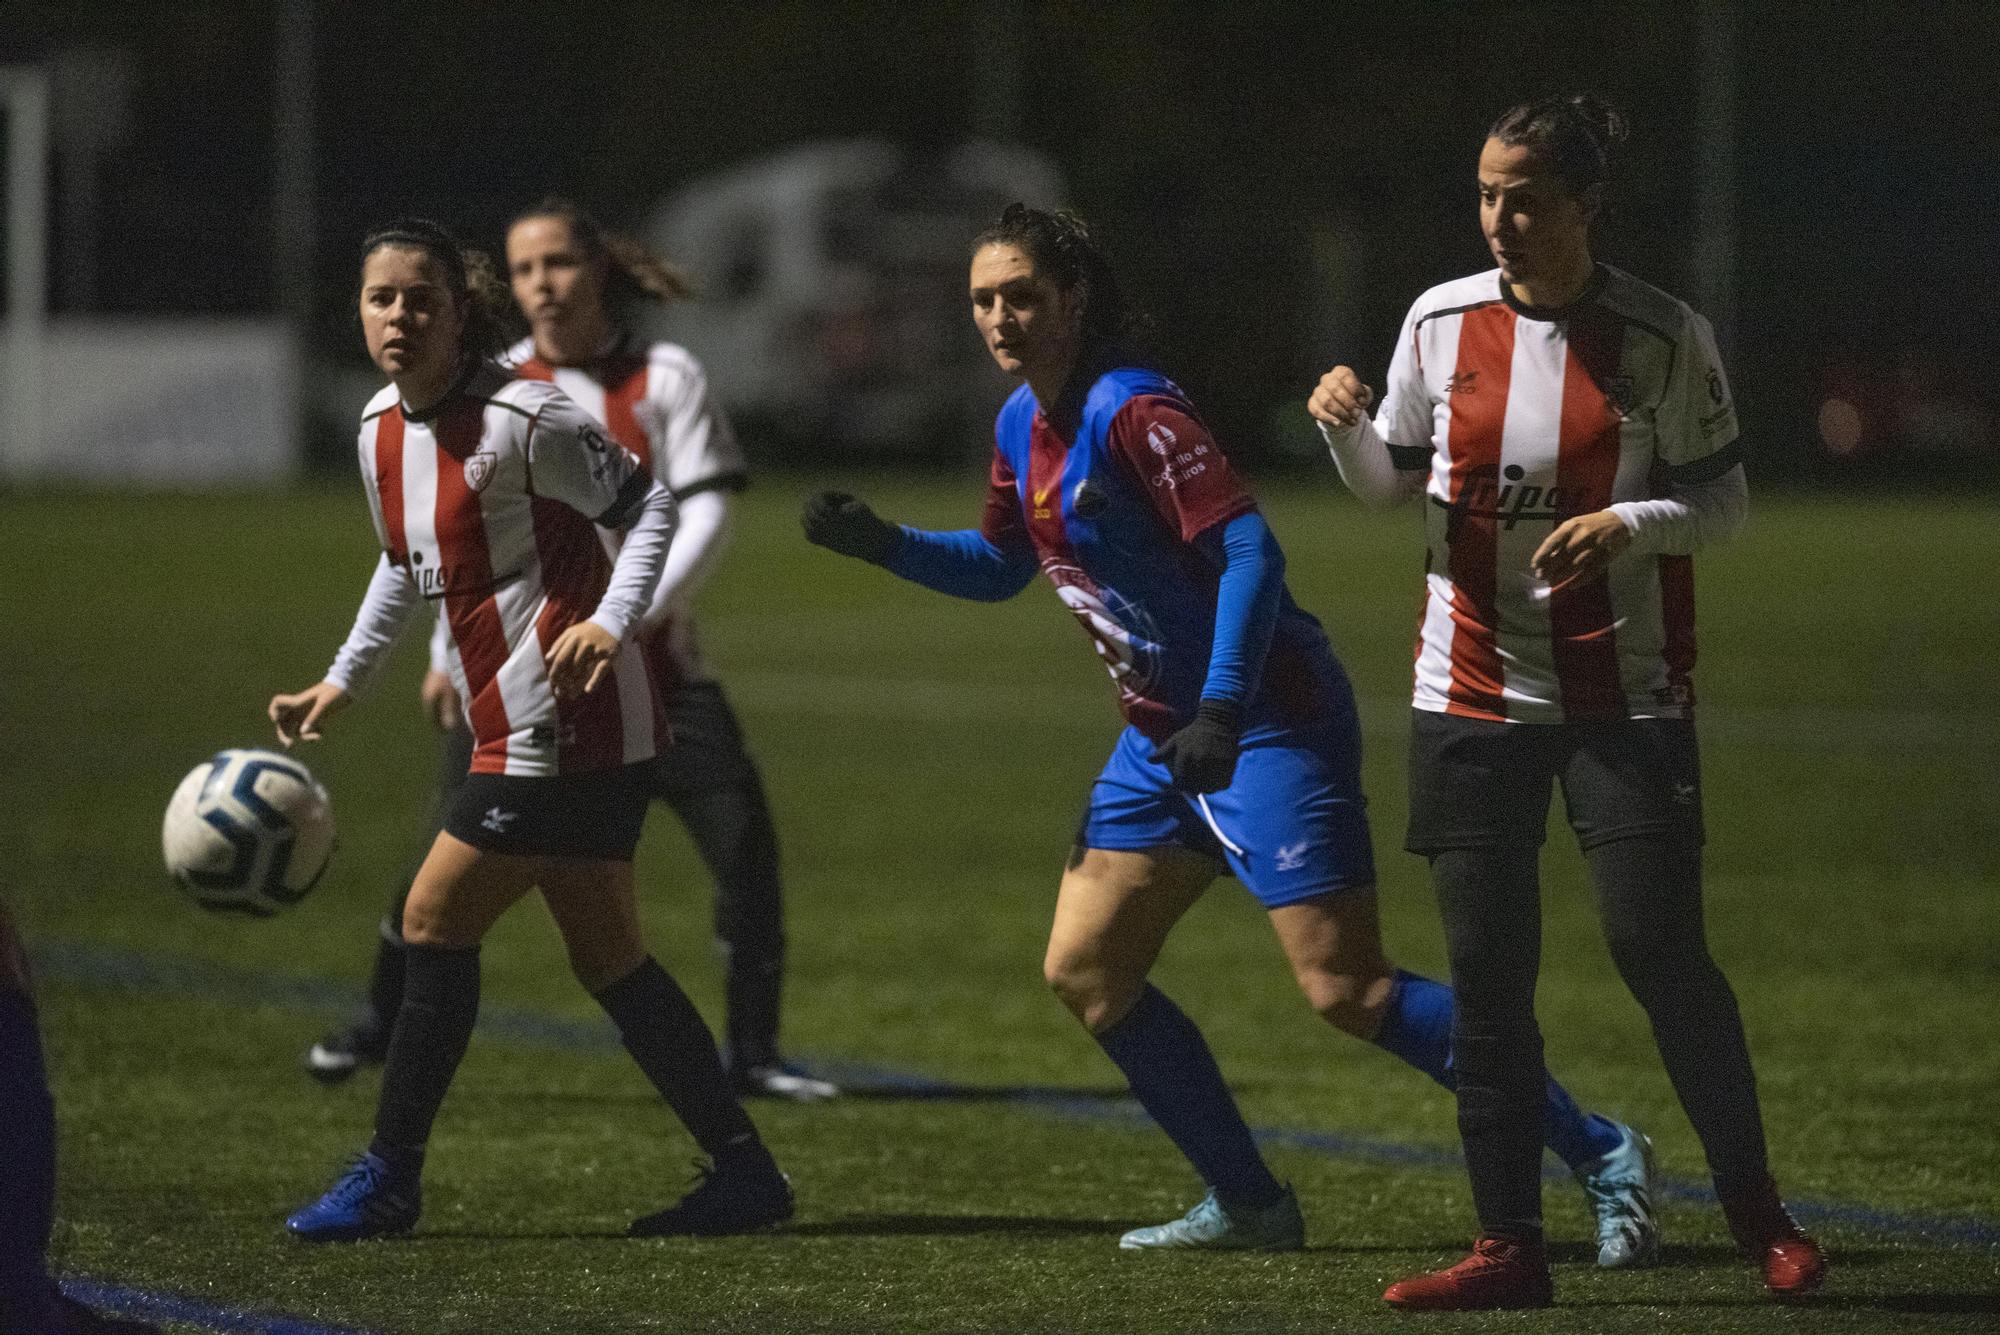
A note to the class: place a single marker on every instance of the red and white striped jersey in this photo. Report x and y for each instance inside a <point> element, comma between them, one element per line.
<point>1524,418</point>
<point>653,399</point>
<point>487,504</point>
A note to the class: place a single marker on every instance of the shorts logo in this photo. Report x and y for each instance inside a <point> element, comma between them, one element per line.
<point>497,820</point>
<point>479,469</point>
<point>1465,382</point>
<point>1684,794</point>
<point>1290,857</point>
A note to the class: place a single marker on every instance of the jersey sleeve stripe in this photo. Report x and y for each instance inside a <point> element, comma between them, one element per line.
<point>1709,467</point>
<point>733,480</point>
<point>630,497</point>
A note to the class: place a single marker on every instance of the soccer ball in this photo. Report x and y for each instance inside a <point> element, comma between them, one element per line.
<point>248,832</point>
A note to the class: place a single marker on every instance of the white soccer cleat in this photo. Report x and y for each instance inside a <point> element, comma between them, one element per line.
<point>1619,1187</point>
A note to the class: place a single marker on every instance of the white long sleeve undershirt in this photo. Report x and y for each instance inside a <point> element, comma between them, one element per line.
<point>1690,516</point>
<point>643,555</point>
<point>1362,457</point>
<point>392,599</point>
<point>696,550</point>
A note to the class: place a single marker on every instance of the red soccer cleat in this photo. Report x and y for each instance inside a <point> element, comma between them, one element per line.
<point>1791,1262</point>
<point>1497,1274</point>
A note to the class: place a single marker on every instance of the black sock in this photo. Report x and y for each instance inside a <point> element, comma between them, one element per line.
<point>385,980</point>
<point>750,988</point>
<point>440,1004</point>
<point>666,1036</point>
<point>1490,901</point>
<point>1649,895</point>
<point>27,1155</point>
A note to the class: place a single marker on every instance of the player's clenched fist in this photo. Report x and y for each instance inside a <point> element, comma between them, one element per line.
<point>843,523</point>
<point>1340,399</point>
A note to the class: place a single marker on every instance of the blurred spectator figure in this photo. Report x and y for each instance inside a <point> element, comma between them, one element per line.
<point>830,274</point>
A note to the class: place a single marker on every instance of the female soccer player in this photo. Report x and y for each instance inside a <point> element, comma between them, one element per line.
<point>1243,751</point>
<point>572,279</point>
<point>1576,437</point>
<point>484,490</point>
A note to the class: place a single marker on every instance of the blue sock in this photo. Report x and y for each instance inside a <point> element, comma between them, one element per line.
<point>1416,1026</point>
<point>1176,1080</point>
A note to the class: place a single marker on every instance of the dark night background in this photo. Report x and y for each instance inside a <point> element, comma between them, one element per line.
<point>1216,147</point>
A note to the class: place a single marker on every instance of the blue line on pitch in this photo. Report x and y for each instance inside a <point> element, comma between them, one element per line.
<point>168,1307</point>
<point>125,970</point>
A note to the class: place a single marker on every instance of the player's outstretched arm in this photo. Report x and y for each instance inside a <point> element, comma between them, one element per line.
<point>963,563</point>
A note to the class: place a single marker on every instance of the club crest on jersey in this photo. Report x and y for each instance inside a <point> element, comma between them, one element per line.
<point>479,469</point>
<point>1160,439</point>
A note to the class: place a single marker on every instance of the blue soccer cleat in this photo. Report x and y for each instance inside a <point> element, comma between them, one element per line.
<point>1277,1227</point>
<point>369,1200</point>
<point>1619,1187</point>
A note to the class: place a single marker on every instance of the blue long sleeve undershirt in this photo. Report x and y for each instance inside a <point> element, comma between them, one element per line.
<point>962,563</point>
<point>965,564</point>
<point>1246,604</point>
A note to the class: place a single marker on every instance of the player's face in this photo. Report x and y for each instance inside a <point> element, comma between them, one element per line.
<point>553,281</point>
<point>1536,228</point>
<point>1029,324</point>
<point>408,317</point>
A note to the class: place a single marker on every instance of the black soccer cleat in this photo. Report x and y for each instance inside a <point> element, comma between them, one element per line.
<point>724,1201</point>
<point>337,1056</point>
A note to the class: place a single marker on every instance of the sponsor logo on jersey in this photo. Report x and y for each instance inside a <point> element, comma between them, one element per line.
<point>1160,439</point>
<point>1510,502</point>
<point>479,469</point>
<point>1182,465</point>
<point>1042,508</point>
<point>1465,382</point>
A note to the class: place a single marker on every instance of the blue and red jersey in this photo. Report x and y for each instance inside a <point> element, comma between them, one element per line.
<point>1110,500</point>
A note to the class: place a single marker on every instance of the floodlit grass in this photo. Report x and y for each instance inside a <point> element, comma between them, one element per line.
<point>927,760</point>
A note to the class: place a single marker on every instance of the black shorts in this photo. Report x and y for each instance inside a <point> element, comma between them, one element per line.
<point>575,816</point>
<point>1475,783</point>
<point>707,750</point>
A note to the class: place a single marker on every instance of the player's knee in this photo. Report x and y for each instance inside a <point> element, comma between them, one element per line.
<point>1091,994</point>
<point>1351,1002</point>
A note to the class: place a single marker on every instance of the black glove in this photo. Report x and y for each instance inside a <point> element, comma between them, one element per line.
<point>1202,756</point>
<point>845,524</point>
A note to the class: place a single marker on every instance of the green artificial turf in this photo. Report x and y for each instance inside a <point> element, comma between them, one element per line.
<point>927,760</point>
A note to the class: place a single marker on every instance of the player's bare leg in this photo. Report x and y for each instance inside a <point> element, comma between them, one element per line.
<point>1114,910</point>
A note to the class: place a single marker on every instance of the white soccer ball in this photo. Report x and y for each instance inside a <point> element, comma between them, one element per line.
<point>248,832</point>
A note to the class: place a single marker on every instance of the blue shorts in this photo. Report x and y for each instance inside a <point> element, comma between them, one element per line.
<point>1292,824</point>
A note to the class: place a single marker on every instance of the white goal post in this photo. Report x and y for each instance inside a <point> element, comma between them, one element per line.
<point>24,100</point>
